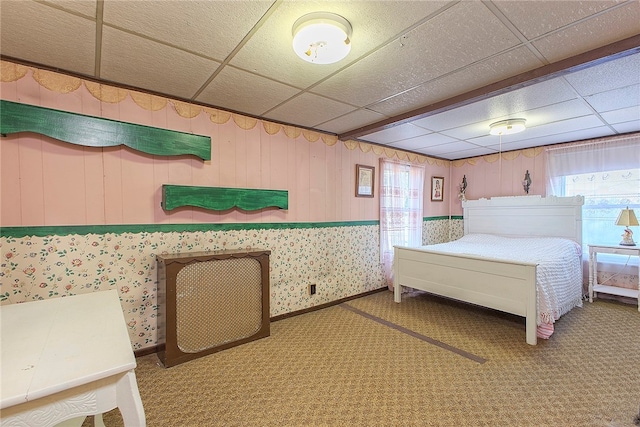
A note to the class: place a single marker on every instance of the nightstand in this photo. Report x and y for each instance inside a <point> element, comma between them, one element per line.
<point>594,250</point>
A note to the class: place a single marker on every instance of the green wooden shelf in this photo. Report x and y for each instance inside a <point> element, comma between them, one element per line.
<point>98,132</point>
<point>221,199</point>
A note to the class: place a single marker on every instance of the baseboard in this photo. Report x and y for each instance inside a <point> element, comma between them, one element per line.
<point>146,351</point>
<point>154,349</point>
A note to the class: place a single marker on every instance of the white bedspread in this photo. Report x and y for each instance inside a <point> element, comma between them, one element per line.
<point>559,271</point>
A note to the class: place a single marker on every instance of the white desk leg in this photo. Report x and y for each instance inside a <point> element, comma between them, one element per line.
<point>97,421</point>
<point>593,274</point>
<point>590,276</point>
<point>129,402</point>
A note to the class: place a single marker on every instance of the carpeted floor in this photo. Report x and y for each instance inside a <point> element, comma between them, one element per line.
<point>424,362</point>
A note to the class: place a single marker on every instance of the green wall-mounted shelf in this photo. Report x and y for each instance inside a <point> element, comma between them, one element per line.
<point>220,199</point>
<point>98,132</point>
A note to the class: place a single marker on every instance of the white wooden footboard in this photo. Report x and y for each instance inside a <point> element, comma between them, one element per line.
<point>501,285</point>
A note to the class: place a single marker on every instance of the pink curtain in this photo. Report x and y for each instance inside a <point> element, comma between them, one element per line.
<point>401,200</point>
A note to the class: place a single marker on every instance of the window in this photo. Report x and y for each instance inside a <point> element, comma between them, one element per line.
<point>607,173</point>
<point>401,200</point>
<point>606,193</point>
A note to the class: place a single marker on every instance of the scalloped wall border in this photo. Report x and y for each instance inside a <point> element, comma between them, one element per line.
<point>63,83</point>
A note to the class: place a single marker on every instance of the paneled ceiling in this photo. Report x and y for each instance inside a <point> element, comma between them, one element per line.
<point>424,76</point>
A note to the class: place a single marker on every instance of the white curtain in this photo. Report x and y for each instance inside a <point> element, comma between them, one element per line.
<point>606,172</point>
<point>603,155</point>
<point>401,200</point>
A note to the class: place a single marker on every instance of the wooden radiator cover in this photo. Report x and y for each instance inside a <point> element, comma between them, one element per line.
<point>211,301</point>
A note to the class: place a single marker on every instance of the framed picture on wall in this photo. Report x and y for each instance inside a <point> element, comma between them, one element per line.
<point>364,180</point>
<point>437,188</point>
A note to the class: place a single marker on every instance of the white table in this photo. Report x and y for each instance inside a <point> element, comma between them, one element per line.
<point>594,250</point>
<point>64,358</point>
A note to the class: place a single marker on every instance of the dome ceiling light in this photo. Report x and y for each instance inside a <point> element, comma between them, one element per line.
<point>507,127</point>
<point>322,37</point>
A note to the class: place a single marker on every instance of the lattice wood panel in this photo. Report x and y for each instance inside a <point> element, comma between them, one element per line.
<point>207,315</point>
<point>210,301</point>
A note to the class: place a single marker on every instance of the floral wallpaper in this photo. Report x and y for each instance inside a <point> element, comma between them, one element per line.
<point>341,261</point>
<point>338,259</point>
<point>437,230</point>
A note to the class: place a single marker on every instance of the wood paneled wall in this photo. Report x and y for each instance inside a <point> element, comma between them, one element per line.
<point>47,182</point>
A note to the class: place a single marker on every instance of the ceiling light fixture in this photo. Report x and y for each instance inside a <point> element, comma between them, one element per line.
<point>507,127</point>
<point>322,37</point>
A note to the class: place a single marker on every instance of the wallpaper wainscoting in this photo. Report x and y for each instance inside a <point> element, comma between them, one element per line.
<point>441,229</point>
<point>342,261</point>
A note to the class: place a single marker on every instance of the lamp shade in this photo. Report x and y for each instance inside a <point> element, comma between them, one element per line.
<point>627,217</point>
<point>507,127</point>
<point>322,37</point>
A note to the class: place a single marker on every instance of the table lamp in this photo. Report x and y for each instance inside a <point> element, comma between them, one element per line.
<point>627,217</point>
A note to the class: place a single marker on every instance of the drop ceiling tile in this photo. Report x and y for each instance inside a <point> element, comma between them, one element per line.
<point>443,44</point>
<point>578,135</point>
<point>615,74</point>
<point>471,130</point>
<point>623,115</point>
<point>592,33</point>
<point>373,23</point>
<point>556,112</point>
<point>496,140</point>
<point>45,35</point>
<point>85,7</point>
<point>308,110</point>
<point>545,130</point>
<point>534,117</point>
<point>534,19</point>
<point>146,64</point>
<point>460,151</point>
<point>425,141</point>
<point>233,88</point>
<point>474,76</point>
<point>396,133</point>
<point>626,127</point>
<point>450,147</point>
<point>517,145</point>
<point>615,99</point>
<point>352,120</point>
<point>507,105</point>
<point>188,25</point>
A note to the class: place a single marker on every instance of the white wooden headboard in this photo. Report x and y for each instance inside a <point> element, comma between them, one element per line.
<point>525,216</point>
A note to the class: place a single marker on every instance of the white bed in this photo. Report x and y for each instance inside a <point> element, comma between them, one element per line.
<point>505,285</point>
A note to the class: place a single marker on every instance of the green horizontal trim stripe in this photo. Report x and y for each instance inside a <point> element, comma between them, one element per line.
<point>91,131</point>
<point>440,218</point>
<point>63,230</point>
<point>167,228</point>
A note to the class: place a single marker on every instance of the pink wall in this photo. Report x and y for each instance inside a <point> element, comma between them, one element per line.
<point>48,182</point>
<point>490,176</point>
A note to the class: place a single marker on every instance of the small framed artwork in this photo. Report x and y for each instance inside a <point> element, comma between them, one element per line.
<point>364,180</point>
<point>437,188</point>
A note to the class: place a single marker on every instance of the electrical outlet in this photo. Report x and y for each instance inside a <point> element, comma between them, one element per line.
<point>312,289</point>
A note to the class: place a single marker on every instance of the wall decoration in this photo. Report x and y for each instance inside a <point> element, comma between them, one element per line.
<point>220,199</point>
<point>90,131</point>
<point>437,188</point>
<point>526,182</point>
<point>365,176</point>
<point>463,189</point>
